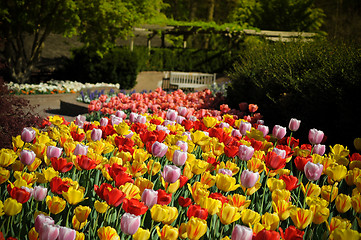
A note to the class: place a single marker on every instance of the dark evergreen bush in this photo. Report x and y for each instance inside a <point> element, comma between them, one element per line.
<point>317,82</point>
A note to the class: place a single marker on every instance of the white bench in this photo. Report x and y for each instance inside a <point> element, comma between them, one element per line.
<point>191,80</point>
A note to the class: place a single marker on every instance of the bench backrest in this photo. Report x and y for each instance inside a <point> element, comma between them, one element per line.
<point>192,78</point>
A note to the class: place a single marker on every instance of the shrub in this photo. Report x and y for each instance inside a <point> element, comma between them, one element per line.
<point>317,82</point>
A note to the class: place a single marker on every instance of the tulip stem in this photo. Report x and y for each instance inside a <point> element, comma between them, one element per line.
<point>145,214</point>
<point>151,171</point>
<point>290,138</point>
<point>330,216</point>
<point>304,199</point>
<point>222,232</point>
<point>263,195</point>
<point>67,216</point>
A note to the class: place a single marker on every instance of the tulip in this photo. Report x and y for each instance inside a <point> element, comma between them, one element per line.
<point>96,134</point>
<point>101,207</point>
<point>27,157</point>
<point>141,234</point>
<point>313,171</point>
<point>197,211</point>
<point>212,205</point>
<point>129,223</point>
<point>133,117</point>
<point>66,233</point>
<point>319,149</point>
<point>141,119</point>
<point>103,122</point>
<point>250,217</point>
<point>7,157</point>
<point>52,151</point>
<point>82,213</point>
<point>28,134</point>
<point>226,183</point>
<point>343,203</point>
<point>294,124</point>
<point>41,220</point>
<point>356,203</point>
<point>81,149</point>
<point>196,228</point>
<point>249,178</point>
<point>49,232</point>
<point>301,217</point>
<point>245,127</point>
<point>280,152</point>
<point>279,132</point>
<point>275,162</point>
<point>228,214</point>
<point>241,232</point>
<point>182,111</point>
<point>39,193</point>
<point>225,171</point>
<point>281,207</point>
<point>167,232</point>
<point>4,175</point>
<point>55,204</point>
<point>183,145</point>
<point>32,234</point>
<point>159,149</point>
<point>180,119</point>
<point>320,213</point>
<point>171,115</point>
<point>267,234</point>
<point>149,197</point>
<point>115,120</point>
<point>74,196</point>
<point>108,233</point>
<point>179,157</point>
<point>345,234</point>
<point>236,133</point>
<point>264,129</point>
<point>336,172</point>
<point>61,164</point>
<point>120,114</point>
<point>315,136</point>
<point>171,173</point>
<point>12,207</point>
<point>245,153</point>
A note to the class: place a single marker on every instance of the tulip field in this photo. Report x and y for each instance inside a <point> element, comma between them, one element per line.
<point>169,166</point>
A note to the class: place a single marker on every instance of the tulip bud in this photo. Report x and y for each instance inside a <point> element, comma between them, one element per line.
<point>28,134</point>
<point>39,193</point>
<point>225,171</point>
<point>40,220</point>
<point>315,136</point>
<point>179,157</point>
<point>294,124</point>
<point>245,127</point>
<point>319,149</point>
<point>245,153</point>
<point>171,115</point>
<point>66,233</point>
<point>129,223</point>
<point>183,145</point>
<point>313,171</point>
<point>149,197</point>
<point>27,157</point>
<point>280,152</point>
<point>49,232</point>
<point>264,129</point>
<point>242,233</point>
<point>103,122</point>
<point>81,149</point>
<point>52,151</point>
<point>236,133</point>
<point>249,178</point>
<point>96,134</point>
<point>278,131</point>
<point>115,120</point>
<point>171,173</point>
<point>159,149</point>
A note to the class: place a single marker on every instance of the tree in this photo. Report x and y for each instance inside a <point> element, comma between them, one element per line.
<point>25,25</point>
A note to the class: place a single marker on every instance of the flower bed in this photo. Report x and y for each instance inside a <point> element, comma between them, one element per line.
<point>146,176</point>
<point>53,87</point>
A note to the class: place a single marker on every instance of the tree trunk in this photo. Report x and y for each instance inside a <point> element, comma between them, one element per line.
<point>211,10</point>
<point>193,10</point>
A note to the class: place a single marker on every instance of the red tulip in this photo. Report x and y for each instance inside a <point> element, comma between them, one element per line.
<point>187,124</point>
<point>19,194</point>
<point>114,197</point>
<point>85,162</point>
<point>292,233</point>
<point>100,191</point>
<point>267,235</point>
<point>119,175</point>
<point>134,206</point>
<point>300,162</point>
<point>77,136</point>
<point>61,164</point>
<point>291,182</point>
<point>231,150</point>
<point>163,197</point>
<point>197,211</point>
<point>275,162</point>
<point>183,180</point>
<point>184,202</point>
<point>58,186</point>
<point>219,196</point>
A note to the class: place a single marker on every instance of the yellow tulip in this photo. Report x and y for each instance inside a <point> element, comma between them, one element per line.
<point>282,208</point>
<point>336,172</point>
<point>198,191</point>
<point>17,142</point>
<point>357,144</point>
<point>301,217</point>
<point>74,196</point>
<point>356,203</point>
<point>340,153</point>
<point>316,201</point>
<point>196,228</point>
<point>4,175</point>
<point>49,173</point>
<point>101,207</point>
<point>343,203</point>
<point>79,236</point>
<point>32,167</point>
<point>141,155</point>
<point>167,232</point>
<point>270,221</point>
<point>212,205</point>
<point>257,228</point>
<point>239,201</point>
<point>187,170</point>
<point>136,168</point>
<point>320,213</point>
<point>340,234</point>
<point>326,192</point>
<point>226,183</point>
<point>199,138</point>
<point>229,165</point>
<point>7,157</point>
<point>108,233</point>
<point>82,213</point>
<point>141,234</point>
<point>153,166</point>
<point>55,204</point>
<point>131,190</point>
<point>253,189</point>
<point>210,122</point>
<point>12,207</point>
<point>198,166</point>
<point>125,156</point>
<point>228,214</point>
<point>208,179</point>
<point>313,190</point>
<point>281,194</point>
<point>143,183</point>
<point>218,148</point>
<point>250,217</point>
<point>274,184</point>
<point>29,178</point>
<point>1,208</point>
<point>122,128</point>
<point>339,223</point>
<point>77,225</point>
<point>164,213</point>
<point>33,234</point>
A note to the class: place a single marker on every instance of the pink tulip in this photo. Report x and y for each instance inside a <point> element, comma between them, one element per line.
<point>52,151</point>
<point>171,173</point>
<point>280,152</point>
<point>133,117</point>
<point>40,220</point>
<point>260,122</point>
<point>249,178</point>
<point>245,127</point>
<point>27,157</point>
<point>188,134</point>
<point>81,149</point>
<point>103,122</point>
<point>319,149</point>
<point>129,135</point>
<point>225,171</point>
<point>294,124</point>
<point>241,232</point>
<point>264,129</point>
<point>171,115</point>
<point>39,193</point>
<point>279,132</point>
<point>315,136</point>
<point>28,134</point>
<point>183,145</point>
<point>66,233</point>
<point>313,171</point>
<point>236,133</point>
<point>149,197</point>
<point>141,119</point>
<point>129,223</point>
<point>159,149</point>
<point>245,153</point>
<point>193,118</point>
<point>96,134</point>
<point>120,114</point>
<point>180,119</point>
<point>224,125</point>
<point>48,232</point>
<point>168,122</point>
<point>80,120</point>
<point>182,111</point>
<point>115,120</point>
<point>179,157</point>
<point>162,128</point>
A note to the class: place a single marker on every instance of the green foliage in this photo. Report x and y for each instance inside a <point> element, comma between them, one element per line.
<point>117,66</point>
<point>317,82</point>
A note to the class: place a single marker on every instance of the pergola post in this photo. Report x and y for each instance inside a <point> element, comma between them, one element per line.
<point>132,44</point>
